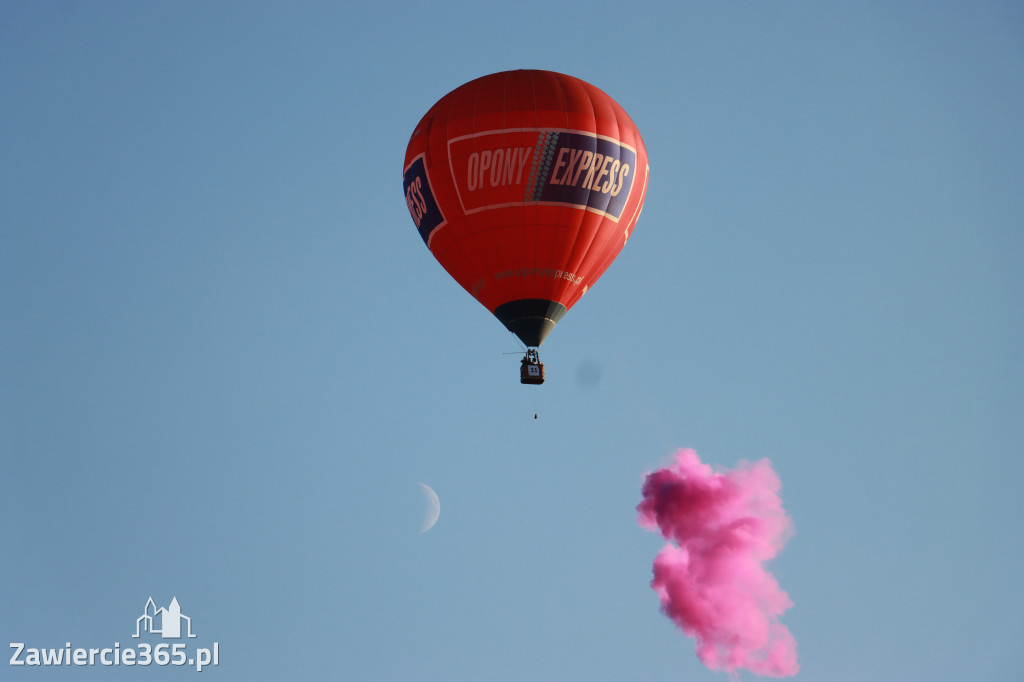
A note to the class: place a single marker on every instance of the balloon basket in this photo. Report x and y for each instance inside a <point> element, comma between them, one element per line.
<point>532,369</point>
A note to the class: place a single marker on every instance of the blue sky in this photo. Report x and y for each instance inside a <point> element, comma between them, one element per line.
<point>227,359</point>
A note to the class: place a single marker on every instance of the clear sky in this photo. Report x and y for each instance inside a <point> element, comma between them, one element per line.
<point>227,359</point>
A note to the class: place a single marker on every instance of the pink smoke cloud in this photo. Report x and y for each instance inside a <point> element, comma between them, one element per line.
<point>711,579</point>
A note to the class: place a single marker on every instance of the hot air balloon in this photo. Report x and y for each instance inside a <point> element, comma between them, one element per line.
<point>525,185</point>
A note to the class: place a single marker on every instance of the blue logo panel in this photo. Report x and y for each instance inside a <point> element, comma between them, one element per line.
<point>582,170</point>
<point>420,199</point>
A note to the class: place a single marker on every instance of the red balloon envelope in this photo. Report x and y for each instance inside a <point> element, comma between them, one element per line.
<point>525,185</point>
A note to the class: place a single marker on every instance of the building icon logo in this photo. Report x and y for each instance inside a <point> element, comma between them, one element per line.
<point>163,622</point>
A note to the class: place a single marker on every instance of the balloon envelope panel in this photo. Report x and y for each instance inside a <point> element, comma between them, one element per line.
<point>525,185</point>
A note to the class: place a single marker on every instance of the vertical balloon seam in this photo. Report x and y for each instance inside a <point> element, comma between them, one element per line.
<point>562,294</point>
<point>607,249</point>
<point>599,239</point>
<point>525,252</point>
<point>559,252</point>
<point>521,248</point>
<point>556,261</point>
<point>478,239</point>
<point>430,161</point>
<point>423,128</point>
<point>585,216</point>
<point>541,232</point>
<point>485,236</point>
<point>512,193</point>
<point>425,135</point>
<point>638,208</point>
<point>542,226</point>
<point>457,241</point>
<point>640,205</point>
<point>534,293</point>
<point>609,256</point>
<point>614,119</point>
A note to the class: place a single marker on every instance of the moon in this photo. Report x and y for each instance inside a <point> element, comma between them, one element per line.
<point>433,509</point>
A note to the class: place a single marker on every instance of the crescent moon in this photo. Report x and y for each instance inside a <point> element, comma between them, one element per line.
<point>433,509</point>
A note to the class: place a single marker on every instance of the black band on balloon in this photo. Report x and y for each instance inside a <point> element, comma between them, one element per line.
<point>531,319</point>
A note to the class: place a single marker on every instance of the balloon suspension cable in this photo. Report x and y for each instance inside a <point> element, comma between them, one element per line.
<point>517,352</point>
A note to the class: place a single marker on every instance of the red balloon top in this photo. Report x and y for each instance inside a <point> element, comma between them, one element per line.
<point>525,185</point>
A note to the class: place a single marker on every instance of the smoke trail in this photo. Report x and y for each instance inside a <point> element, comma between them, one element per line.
<point>712,581</point>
